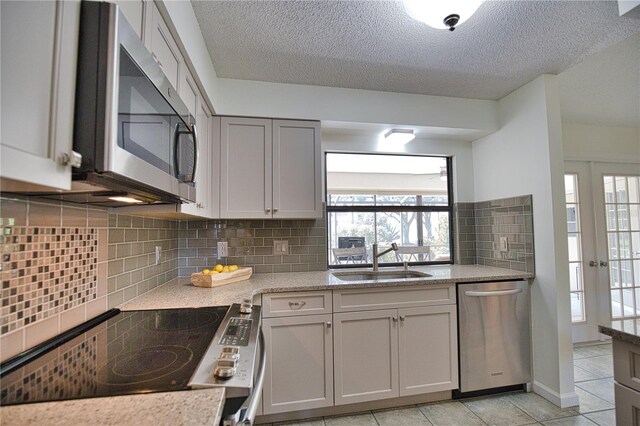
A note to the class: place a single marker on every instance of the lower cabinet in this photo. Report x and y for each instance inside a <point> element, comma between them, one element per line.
<point>323,359</point>
<point>299,369</point>
<point>394,352</point>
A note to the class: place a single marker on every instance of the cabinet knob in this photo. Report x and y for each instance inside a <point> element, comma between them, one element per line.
<point>328,324</point>
<point>199,205</point>
<point>402,318</point>
<point>275,210</point>
<point>267,210</point>
<point>604,264</point>
<point>74,159</point>
<point>593,263</point>
<point>395,319</point>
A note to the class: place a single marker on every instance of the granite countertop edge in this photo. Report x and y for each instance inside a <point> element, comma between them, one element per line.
<point>616,333</point>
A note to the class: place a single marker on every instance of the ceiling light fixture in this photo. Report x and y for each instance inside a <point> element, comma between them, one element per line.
<point>399,136</point>
<point>442,14</point>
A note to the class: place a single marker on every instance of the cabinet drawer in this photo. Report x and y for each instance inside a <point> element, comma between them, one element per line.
<point>292,304</point>
<point>384,298</point>
<point>627,405</point>
<point>626,364</point>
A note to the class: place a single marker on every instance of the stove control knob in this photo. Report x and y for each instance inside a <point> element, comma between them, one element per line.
<point>225,368</point>
<point>246,306</point>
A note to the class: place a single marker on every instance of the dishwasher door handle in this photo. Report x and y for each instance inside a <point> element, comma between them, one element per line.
<point>493,293</point>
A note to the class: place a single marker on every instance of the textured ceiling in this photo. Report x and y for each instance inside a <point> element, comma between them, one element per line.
<point>605,88</point>
<point>375,45</point>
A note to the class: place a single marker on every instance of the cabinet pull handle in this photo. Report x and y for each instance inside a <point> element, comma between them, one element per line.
<point>297,305</point>
<point>402,318</point>
<point>328,324</point>
<point>395,319</point>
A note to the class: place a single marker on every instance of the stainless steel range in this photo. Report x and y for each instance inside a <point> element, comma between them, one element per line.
<point>132,352</point>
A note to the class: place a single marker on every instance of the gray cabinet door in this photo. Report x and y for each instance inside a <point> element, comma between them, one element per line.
<point>299,371</point>
<point>39,44</point>
<point>365,356</point>
<point>245,168</point>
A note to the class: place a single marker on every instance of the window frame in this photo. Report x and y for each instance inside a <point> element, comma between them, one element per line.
<point>387,208</point>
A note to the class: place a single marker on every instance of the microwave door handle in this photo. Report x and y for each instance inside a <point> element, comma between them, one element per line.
<point>176,163</point>
<point>195,154</point>
<point>247,413</point>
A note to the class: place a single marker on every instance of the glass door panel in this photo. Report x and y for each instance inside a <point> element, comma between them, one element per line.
<point>622,210</point>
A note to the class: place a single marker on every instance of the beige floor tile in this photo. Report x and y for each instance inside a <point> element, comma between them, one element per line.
<point>499,411</point>
<point>601,366</point>
<point>365,419</point>
<point>581,375</point>
<point>538,407</point>
<point>450,413</point>
<point>570,421</point>
<point>603,418</point>
<point>592,350</point>
<point>590,403</point>
<point>410,416</point>
<point>602,388</point>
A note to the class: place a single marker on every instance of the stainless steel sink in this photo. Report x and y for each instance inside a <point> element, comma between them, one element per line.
<point>379,275</point>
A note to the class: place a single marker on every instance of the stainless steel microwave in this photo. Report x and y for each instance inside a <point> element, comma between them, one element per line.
<point>136,136</point>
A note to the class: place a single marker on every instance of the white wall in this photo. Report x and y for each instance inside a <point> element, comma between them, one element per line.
<point>262,99</point>
<point>460,151</point>
<point>584,142</point>
<point>525,157</point>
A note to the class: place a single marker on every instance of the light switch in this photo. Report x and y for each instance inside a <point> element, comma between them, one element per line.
<point>504,244</point>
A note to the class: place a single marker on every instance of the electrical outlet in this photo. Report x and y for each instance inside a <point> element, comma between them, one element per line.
<point>223,249</point>
<point>280,247</point>
<point>158,249</point>
<point>504,244</point>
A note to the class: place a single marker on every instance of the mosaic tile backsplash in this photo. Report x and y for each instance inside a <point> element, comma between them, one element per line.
<point>46,271</point>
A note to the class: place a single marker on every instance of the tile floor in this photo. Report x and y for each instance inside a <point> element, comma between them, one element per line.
<point>593,370</point>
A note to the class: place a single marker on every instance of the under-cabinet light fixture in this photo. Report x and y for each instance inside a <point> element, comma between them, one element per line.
<point>126,200</point>
<point>399,136</point>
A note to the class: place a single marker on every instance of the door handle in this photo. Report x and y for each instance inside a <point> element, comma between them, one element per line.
<point>493,293</point>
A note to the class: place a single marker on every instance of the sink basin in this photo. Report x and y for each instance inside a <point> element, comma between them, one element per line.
<point>379,275</point>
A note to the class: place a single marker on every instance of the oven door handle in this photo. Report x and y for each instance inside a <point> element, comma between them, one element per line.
<point>247,413</point>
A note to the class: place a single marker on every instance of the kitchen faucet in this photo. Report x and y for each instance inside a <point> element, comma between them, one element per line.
<point>376,255</point>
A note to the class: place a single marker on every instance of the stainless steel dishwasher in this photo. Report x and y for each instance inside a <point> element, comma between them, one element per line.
<point>494,335</point>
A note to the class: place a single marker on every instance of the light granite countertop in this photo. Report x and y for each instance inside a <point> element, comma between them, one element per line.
<point>196,407</point>
<point>625,330</point>
<point>180,293</point>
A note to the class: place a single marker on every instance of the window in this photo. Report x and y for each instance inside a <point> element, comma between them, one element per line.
<point>384,199</point>
<point>576,279</point>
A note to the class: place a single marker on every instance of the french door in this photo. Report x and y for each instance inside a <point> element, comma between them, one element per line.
<point>603,223</point>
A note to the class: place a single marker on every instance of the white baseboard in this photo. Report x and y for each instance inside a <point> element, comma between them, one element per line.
<point>569,399</point>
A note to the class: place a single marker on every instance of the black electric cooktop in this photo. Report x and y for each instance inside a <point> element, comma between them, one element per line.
<point>131,352</point>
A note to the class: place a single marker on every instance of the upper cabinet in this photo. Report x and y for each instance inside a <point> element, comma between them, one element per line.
<point>163,47</point>
<point>135,11</point>
<point>38,90</point>
<point>269,169</point>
